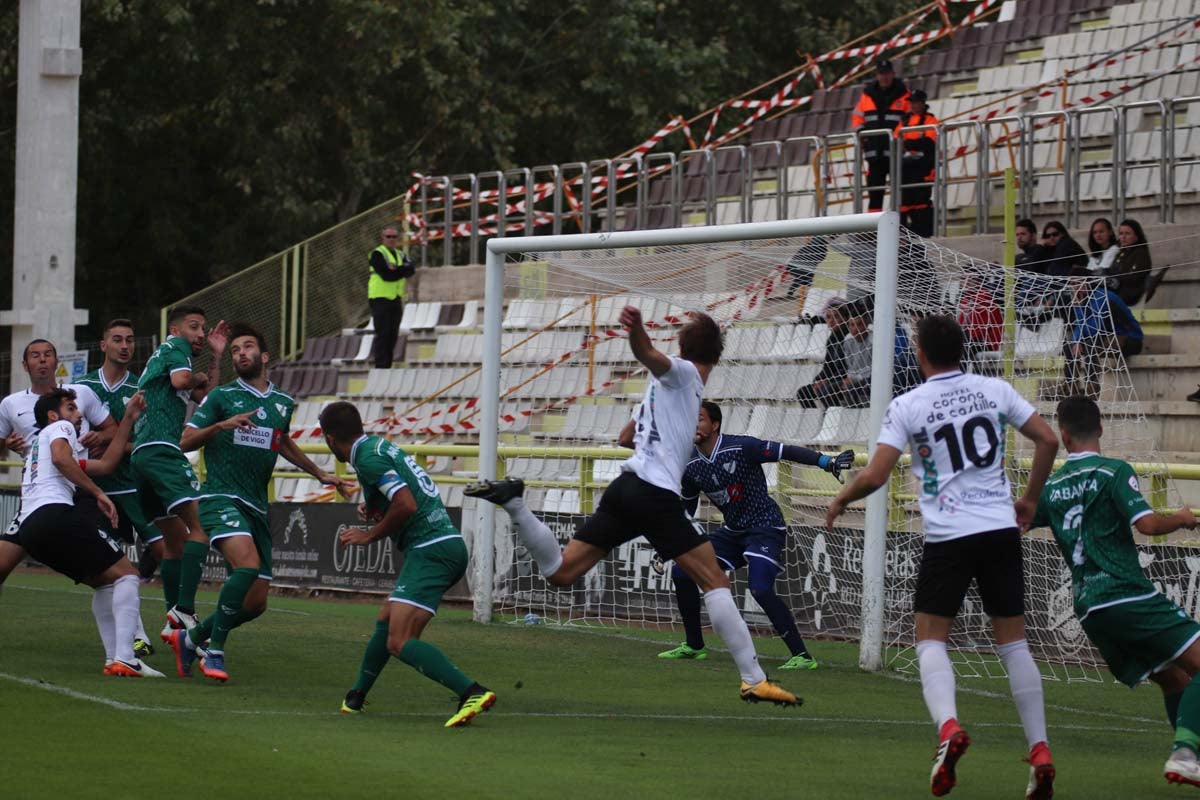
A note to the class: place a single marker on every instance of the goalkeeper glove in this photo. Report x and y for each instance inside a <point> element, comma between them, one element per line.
<point>839,463</point>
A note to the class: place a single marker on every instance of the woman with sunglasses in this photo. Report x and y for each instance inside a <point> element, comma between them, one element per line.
<point>1064,255</point>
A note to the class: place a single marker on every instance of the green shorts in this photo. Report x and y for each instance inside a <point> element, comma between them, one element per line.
<point>133,517</point>
<point>1140,637</point>
<point>429,572</point>
<point>222,517</point>
<point>164,471</point>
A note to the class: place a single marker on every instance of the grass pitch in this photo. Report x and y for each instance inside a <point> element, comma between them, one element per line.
<point>582,713</point>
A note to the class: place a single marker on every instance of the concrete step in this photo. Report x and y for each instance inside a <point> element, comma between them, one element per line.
<point>1159,377</point>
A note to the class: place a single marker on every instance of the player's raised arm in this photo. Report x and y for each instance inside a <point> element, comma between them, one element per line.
<point>1045,444</point>
<point>872,477</point>
<point>651,357</point>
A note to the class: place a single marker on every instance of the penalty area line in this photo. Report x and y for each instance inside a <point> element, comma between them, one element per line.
<point>787,718</point>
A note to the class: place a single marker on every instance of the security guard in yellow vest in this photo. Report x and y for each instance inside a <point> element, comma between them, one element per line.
<point>385,292</point>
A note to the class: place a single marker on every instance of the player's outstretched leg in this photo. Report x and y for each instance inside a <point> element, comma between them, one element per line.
<point>375,658</point>
<point>687,596</point>
<point>762,587</point>
<point>533,533</point>
<point>126,607</point>
<point>937,684</point>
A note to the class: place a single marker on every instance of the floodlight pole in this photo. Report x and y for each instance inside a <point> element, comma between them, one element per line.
<point>874,601</point>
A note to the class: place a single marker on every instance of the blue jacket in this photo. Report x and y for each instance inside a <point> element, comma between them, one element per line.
<point>1104,312</point>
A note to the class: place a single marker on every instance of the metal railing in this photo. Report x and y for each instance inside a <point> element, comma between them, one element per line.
<point>704,183</point>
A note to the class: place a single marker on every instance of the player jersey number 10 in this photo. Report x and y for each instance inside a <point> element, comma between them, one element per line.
<point>948,433</point>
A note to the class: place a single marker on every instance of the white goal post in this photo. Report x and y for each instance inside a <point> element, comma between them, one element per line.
<point>886,229</point>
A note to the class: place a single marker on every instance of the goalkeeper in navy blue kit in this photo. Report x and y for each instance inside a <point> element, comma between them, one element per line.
<point>728,470</point>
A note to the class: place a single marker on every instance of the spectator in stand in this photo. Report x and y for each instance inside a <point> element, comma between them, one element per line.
<point>1131,268</point>
<point>979,315</point>
<point>828,382</point>
<point>1030,254</point>
<point>801,268</point>
<point>1101,325</point>
<point>390,268</point>
<point>1064,255</point>
<point>882,106</point>
<point>856,386</point>
<point>1102,247</point>
<point>918,152</point>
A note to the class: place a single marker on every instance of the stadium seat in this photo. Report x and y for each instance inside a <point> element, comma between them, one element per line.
<point>1044,341</point>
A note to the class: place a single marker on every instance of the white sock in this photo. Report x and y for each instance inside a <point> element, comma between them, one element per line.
<point>937,680</point>
<point>1026,683</point>
<point>537,538</point>
<point>730,626</point>
<point>103,612</point>
<point>126,607</point>
<point>140,631</point>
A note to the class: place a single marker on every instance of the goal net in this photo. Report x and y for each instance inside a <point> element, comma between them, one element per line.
<point>795,309</point>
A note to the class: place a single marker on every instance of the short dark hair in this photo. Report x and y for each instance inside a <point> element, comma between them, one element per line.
<point>1028,225</point>
<point>183,310</point>
<point>713,410</point>
<point>941,340</point>
<point>119,322</point>
<point>25,354</point>
<point>50,401</point>
<point>1079,416</point>
<point>240,329</point>
<point>701,340</point>
<point>341,421</point>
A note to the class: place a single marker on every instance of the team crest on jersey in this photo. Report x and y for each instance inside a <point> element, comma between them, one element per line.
<point>730,467</point>
<point>261,414</point>
<point>281,408</point>
<point>1133,483</point>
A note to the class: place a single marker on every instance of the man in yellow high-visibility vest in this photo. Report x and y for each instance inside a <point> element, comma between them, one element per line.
<point>390,269</point>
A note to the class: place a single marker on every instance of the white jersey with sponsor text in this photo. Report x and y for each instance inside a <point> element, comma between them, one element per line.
<point>42,484</point>
<point>666,426</point>
<point>956,423</point>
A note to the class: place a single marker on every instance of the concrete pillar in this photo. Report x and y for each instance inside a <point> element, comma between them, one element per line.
<point>49,65</point>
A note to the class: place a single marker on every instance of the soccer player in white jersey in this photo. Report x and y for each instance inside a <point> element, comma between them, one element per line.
<point>17,427</point>
<point>64,537</point>
<point>956,424</point>
<point>646,495</point>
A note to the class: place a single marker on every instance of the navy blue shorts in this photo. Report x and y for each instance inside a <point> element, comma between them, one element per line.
<point>733,549</point>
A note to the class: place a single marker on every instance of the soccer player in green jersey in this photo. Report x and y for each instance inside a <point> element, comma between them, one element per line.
<point>115,384</point>
<point>403,503</point>
<point>1090,504</point>
<point>243,427</point>
<point>164,477</point>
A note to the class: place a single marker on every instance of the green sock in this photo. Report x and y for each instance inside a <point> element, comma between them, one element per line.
<point>169,571</point>
<point>1171,701</point>
<point>203,631</point>
<point>430,662</point>
<point>375,658</point>
<point>229,604</point>
<point>1188,722</point>
<point>191,567</point>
